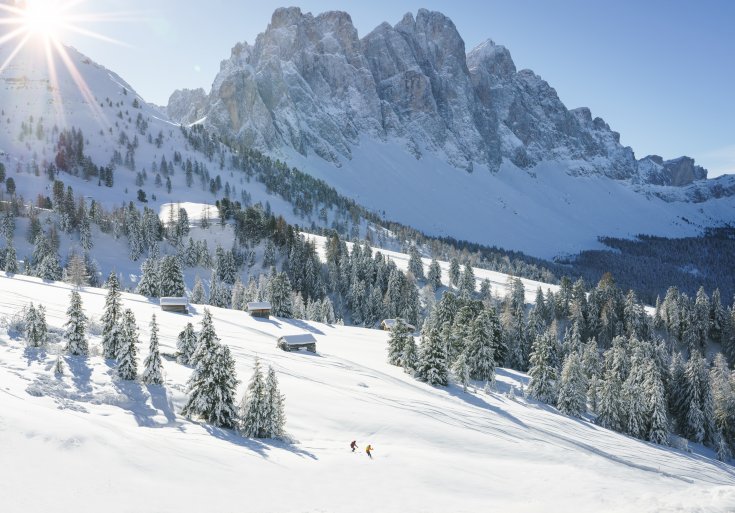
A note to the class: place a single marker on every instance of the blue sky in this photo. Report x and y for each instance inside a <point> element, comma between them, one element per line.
<point>662,73</point>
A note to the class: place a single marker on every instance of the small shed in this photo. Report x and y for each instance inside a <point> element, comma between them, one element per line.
<point>174,304</point>
<point>388,325</point>
<point>259,309</point>
<point>296,342</point>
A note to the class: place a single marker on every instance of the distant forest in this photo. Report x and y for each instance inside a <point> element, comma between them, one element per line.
<point>649,265</point>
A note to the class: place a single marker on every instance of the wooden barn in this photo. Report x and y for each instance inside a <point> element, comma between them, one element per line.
<point>174,304</point>
<point>296,342</point>
<point>388,324</point>
<point>259,309</point>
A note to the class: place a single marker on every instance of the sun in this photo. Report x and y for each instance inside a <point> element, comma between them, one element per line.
<point>44,18</point>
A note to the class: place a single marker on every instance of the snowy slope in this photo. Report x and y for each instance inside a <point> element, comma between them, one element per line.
<point>29,95</point>
<point>87,442</point>
<point>545,212</point>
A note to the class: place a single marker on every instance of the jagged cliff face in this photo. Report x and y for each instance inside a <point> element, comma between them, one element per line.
<point>309,83</point>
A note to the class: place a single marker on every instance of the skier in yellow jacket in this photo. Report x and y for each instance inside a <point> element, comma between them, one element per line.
<point>369,450</point>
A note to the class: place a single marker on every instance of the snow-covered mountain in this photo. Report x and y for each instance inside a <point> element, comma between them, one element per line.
<point>391,118</point>
<point>91,441</point>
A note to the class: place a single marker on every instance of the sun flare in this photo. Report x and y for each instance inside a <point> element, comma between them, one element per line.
<point>44,18</point>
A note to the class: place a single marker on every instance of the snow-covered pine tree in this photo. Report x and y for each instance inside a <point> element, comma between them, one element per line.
<point>255,407</point>
<point>152,374</point>
<point>207,340</point>
<point>127,366</point>
<point>30,320</point>
<point>543,371</point>
<point>467,280</point>
<point>212,388</point>
<point>276,406</point>
<point>610,408</point>
<point>279,293</point>
<point>76,326</point>
<point>238,294</point>
<point>432,363</point>
<point>111,332</point>
<point>397,342</point>
<point>454,272</point>
<point>186,344</point>
<point>197,292</point>
<point>654,395</point>
<point>11,260</point>
<point>149,284</point>
<point>434,277</point>
<point>171,278</point>
<point>572,399</point>
<point>484,338</point>
<point>415,264</point>
<point>718,317</point>
<point>461,371</point>
<point>410,355</point>
<point>41,330</point>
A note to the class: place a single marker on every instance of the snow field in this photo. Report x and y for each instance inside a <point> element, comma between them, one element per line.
<point>89,442</point>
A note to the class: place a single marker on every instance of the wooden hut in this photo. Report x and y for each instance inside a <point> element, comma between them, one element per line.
<point>296,342</point>
<point>388,324</point>
<point>174,304</point>
<point>259,309</point>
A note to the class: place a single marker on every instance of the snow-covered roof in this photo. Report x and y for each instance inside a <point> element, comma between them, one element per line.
<point>259,305</point>
<point>389,323</point>
<point>174,301</point>
<point>302,338</point>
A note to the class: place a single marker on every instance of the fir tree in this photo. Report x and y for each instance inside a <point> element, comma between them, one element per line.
<point>410,355</point>
<point>572,399</point>
<point>149,281</point>
<point>484,337</point>
<point>76,326</point>
<point>543,371</point>
<point>397,342</point>
<point>111,333</point>
<point>197,293</point>
<point>186,344</point>
<point>212,388</point>
<point>11,260</point>
<point>152,374</point>
<point>127,367</point>
<point>467,280</point>
<point>461,371</point>
<point>238,294</point>
<point>207,340</point>
<point>454,272</point>
<point>276,406</point>
<point>171,278</point>
<point>255,407</point>
<point>434,276</point>
<point>653,390</point>
<point>415,265</point>
<point>432,363</point>
<point>32,327</point>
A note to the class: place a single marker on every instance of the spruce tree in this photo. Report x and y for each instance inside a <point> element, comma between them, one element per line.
<point>410,355</point>
<point>186,344</point>
<point>197,293</point>
<point>434,276</point>
<point>397,342</point>
<point>207,340</point>
<point>152,374</point>
<point>454,272</point>
<point>127,366</point>
<point>432,363</point>
<point>483,340</point>
<point>212,388</point>
<point>654,393</point>
<point>76,326</point>
<point>171,278</point>
<point>255,407</point>
<point>543,371</point>
<point>415,264</point>
<point>31,327</point>
<point>111,333</point>
<point>572,399</point>
<point>467,280</point>
<point>149,281</point>
<point>461,371</point>
<point>11,260</point>
<point>276,406</point>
